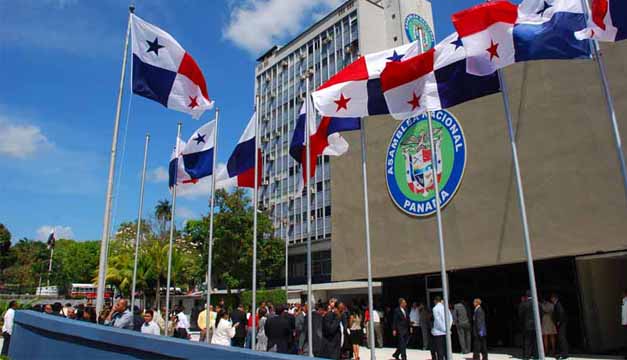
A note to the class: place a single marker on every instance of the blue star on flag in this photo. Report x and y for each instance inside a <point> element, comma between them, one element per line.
<point>200,138</point>
<point>458,43</point>
<point>396,57</point>
<point>154,46</point>
<point>545,8</point>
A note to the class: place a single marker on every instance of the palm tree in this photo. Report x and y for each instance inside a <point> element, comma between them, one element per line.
<point>158,254</point>
<point>163,213</point>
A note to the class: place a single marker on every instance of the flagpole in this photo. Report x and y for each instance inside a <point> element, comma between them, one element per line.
<point>255,203</point>
<point>210,245</point>
<point>109,197</point>
<point>50,264</point>
<point>598,56</point>
<point>172,217</point>
<point>523,217</point>
<point>364,172</point>
<point>436,186</point>
<point>139,219</point>
<point>307,183</point>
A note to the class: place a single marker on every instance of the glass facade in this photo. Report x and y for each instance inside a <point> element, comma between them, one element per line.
<point>280,85</point>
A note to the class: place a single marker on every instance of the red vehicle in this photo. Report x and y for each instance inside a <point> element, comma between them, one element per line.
<point>88,291</point>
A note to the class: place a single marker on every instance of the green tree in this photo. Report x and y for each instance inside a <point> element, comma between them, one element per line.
<point>29,262</point>
<point>163,213</point>
<point>232,247</point>
<point>73,262</point>
<point>5,247</point>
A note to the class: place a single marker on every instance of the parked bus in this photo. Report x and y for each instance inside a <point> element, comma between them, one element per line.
<point>88,291</point>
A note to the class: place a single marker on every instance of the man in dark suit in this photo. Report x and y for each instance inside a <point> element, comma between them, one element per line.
<point>279,331</point>
<point>527,324</point>
<point>320,344</point>
<point>239,316</point>
<point>334,330</point>
<point>400,329</point>
<point>479,332</point>
<point>561,322</point>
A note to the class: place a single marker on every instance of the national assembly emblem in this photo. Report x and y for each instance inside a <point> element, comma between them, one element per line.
<point>417,28</point>
<point>410,160</point>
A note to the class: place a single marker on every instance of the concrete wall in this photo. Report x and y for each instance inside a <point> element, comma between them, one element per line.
<point>40,336</point>
<point>575,199</point>
<point>602,280</point>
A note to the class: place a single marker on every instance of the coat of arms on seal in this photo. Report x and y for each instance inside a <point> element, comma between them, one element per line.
<point>410,162</point>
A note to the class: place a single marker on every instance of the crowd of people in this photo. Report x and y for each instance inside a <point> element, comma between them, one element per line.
<point>338,330</point>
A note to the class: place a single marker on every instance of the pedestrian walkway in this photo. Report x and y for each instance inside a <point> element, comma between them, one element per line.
<point>495,354</point>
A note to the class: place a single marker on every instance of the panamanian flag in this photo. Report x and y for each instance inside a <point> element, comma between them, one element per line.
<point>434,80</point>
<point>164,72</point>
<point>497,34</point>
<point>324,139</point>
<point>355,91</point>
<point>198,153</point>
<point>608,21</point>
<point>239,170</point>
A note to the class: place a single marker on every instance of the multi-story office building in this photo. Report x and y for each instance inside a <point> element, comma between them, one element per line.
<point>323,50</point>
<point>319,52</point>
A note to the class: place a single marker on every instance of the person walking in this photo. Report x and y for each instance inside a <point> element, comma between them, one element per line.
<point>202,323</point>
<point>401,329</point>
<point>300,324</point>
<point>356,332</point>
<point>414,323</point>
<point>262,338</point>
<point>426,323</point>
<point>549,330</point>
<point>623,319</point>
<point>378,327</point>
<point>334,330</point>
<point>149,326</point>
<point>238,316</point>
<point>181,327</point>
<point>561,322</point>
<point>525,314</point>
<point>279,331</point>
<point>224,329</point>
<point>7,327</point>
<point>439,328</point>
<point>462,322</point>
<point>479,332</point>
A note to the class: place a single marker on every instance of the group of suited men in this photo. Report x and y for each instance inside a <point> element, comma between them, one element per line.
<point>402,329</point>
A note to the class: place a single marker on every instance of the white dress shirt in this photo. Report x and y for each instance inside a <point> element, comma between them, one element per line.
<point>414,317</point>
<point>183,322</point>
<point>151,328</point>
<point>223,333</point>
<point>624,312</point>
<point>8,322</point>
<point>439,321</point>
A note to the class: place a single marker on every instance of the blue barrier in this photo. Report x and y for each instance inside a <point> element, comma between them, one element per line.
<point>40,336</point>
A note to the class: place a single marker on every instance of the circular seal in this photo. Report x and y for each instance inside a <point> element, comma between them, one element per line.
<point>417,28</point>
<point>409,165</point>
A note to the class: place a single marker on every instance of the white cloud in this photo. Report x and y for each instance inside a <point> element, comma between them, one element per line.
<point>60,232</point>
<point>158,175</point>
<point>256,25</point>
<point>20,140</point>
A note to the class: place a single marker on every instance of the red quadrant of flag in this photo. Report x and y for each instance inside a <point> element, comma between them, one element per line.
<point>480,17</point>
<point>354,72</point>
<point>399,73</point>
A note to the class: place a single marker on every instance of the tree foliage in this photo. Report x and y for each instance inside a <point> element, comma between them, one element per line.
<point>233,242</point>
<point>77,261</point>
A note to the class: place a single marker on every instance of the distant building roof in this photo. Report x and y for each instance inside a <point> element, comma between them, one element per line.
<point>267,53</point>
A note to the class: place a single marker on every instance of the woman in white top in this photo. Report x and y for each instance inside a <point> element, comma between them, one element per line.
<point>224,331</point>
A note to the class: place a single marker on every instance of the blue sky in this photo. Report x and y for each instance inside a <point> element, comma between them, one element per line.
<point>60,62</point>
